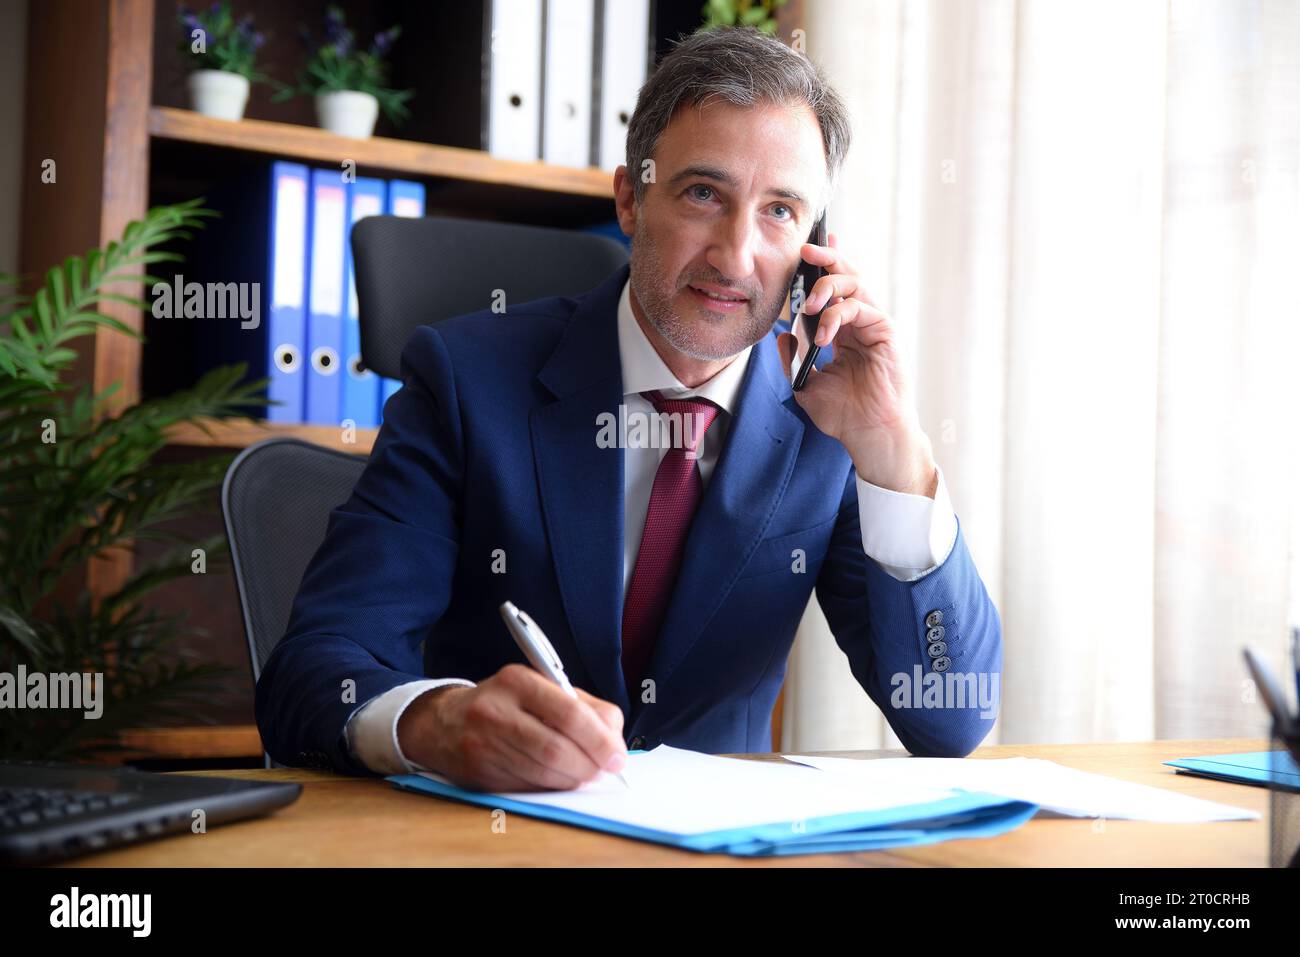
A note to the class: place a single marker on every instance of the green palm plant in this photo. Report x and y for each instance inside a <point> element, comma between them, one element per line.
<point>77,480</point>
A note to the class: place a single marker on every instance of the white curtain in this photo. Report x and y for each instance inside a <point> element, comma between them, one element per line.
<point>1084,217</point>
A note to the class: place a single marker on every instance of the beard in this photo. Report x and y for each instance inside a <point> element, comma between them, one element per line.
<point>700,334</point>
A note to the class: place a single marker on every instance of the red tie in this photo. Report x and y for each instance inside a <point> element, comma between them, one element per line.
<point>673,499</point>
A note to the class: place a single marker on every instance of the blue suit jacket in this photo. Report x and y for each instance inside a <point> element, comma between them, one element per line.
<point>491,445</point>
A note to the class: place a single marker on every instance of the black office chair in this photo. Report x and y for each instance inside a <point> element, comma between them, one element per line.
<point>411,272</point>
<point>276,499</point>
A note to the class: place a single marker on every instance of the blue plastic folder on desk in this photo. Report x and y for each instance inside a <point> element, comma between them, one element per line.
<point>705,803</point>
<point>1249,767</point>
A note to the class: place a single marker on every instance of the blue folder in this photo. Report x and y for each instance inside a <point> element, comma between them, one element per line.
<point>360,385</point>
<point>966,814</point>
<point>286,332</point>
<point>1261,768</point>
<point>326,297</point>
<point>612,229</point>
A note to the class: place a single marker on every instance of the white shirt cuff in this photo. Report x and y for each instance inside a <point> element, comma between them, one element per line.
<point>371,732</point>
<point>908,535</point>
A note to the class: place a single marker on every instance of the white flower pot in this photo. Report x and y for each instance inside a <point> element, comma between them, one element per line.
<point>219,93</point>
<point>348,113</point>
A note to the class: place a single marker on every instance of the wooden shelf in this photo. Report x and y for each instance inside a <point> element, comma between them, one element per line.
<point>241,433</point>
<point>220,741</point>
<point>393,155</point>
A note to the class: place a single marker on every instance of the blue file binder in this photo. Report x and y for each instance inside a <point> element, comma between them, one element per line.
<point>1249,767</point>
<point>286,330</point>
<point>325,299</point>
<point>404,199</point>
<point>360,385</point>
<point>965,814</point>
<point>612,229</point>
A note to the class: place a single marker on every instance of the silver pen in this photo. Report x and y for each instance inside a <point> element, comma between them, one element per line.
<point>532,641</point>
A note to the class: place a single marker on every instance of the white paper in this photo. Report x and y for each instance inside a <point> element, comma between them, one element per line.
<point>686,792</point>
<point>1050,785</point>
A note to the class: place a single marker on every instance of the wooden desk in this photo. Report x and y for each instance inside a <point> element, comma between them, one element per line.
<point>343,821</point>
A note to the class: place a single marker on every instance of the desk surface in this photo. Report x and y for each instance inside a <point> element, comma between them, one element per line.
<point>350,821</point>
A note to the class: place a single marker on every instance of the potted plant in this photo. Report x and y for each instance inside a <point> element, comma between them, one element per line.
<point>77,482</point>
<point>222,55</point>
<point>742,13</point>
<point>349,84</point>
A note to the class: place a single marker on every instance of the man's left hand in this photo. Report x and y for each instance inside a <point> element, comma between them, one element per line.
<point>862,398</point>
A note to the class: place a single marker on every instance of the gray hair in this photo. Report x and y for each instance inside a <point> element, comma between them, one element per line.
<point>745,68</point>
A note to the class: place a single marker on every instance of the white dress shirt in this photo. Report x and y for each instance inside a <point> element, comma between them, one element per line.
<point>908,535</point>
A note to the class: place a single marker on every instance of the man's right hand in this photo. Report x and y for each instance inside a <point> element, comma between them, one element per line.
<point>514,731</point>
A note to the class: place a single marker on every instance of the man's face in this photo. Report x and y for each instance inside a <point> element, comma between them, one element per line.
<point>733,198</point>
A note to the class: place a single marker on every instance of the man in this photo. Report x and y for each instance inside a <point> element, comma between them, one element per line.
<point>670,580</point>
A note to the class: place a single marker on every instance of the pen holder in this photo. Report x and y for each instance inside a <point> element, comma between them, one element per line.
<point>1284,801</point>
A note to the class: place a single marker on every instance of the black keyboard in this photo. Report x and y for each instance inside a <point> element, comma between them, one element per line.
<point>52,811</point>
<point>23,807</point>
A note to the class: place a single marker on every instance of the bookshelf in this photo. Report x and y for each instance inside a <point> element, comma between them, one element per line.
<point>104,99</point>
<point>238,433</point>
<point>457,167</point>
<point>393,156</point>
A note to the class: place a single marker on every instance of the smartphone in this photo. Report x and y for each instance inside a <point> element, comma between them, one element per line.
<point>804,326</point>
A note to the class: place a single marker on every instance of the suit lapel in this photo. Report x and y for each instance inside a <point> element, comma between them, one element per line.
<point>738,504</point>
<point>581,490</point>
<point>581,484</point>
